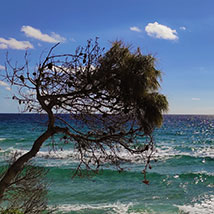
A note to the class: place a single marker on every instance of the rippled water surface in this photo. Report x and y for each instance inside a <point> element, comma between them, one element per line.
<point>181,181</point>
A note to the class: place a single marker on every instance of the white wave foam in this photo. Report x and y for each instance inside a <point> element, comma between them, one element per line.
<point>204,172</point>
<point>165,152</point>
<point>66,154</point>
<point>204,152</point>
<point>73,155</point>
<point>2,139</point>
<point>117,208</point>
<point>204,207</point>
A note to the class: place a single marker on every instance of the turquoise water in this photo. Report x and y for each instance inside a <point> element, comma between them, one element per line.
<point>181,181</point>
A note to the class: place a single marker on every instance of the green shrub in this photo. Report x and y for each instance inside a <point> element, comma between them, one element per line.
<point>11,211</point>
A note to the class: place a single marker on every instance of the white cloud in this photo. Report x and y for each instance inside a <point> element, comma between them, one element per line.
<point>37,34</point>
<point>160,31</point>
<point>196,99</point>
<point>2,83</point>
<point>5,85</point>
<point>30,92</point>
<point>3,46</point>
<point>183,28</point>
<point>14,44</point>
<point>2,67</point>
<point>136,29</point>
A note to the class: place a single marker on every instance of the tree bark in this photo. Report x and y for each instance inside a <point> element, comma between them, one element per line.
<point>17,166</point>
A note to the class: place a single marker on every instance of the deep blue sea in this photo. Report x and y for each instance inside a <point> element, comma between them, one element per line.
<point>181,181</point>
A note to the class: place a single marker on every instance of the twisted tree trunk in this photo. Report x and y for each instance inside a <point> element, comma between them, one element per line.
<point>18,165</point>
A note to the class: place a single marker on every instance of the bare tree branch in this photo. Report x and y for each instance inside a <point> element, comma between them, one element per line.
<point>102,102</point>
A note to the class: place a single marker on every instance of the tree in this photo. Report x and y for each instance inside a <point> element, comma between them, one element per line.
<point>112,99</point>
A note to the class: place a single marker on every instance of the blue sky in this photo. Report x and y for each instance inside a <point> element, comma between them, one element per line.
<point>179,33</point>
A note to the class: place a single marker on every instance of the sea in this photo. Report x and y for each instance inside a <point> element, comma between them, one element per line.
<point>181,178</point>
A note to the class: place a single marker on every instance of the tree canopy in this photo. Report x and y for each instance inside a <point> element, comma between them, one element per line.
<point>112,98</point>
